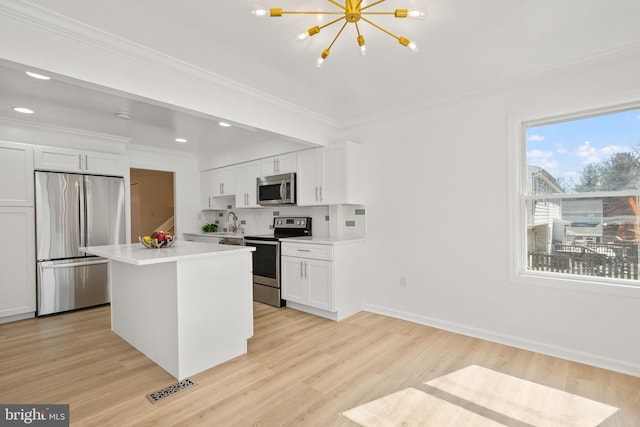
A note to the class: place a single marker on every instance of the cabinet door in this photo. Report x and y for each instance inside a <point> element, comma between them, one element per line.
<point>307,176</point>
<point>295,287</point>
<point>334,169</point>
<point>246,177</point>
<point>16,174</point>
<point>285,163</point>
<point>104,164</point>
<point>17,261</point>
<point>58,159</point>
<point>224,182</point>
<point>206,189</point>
<point>320,277</point>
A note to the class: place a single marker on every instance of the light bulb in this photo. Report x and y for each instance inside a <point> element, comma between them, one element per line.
<point>417,14</point>
<point>323,56</point>
<point>259,11</point>
<point>413,47</point>
<point>302,36</point>
<point>363,47</point>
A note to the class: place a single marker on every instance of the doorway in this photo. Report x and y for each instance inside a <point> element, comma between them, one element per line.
<point>152,202</point>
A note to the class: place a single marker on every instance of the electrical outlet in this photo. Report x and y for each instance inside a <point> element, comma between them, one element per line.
<point>403,281</point>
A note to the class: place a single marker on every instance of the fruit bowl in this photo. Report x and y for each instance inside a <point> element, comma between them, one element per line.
<point>156,241</point>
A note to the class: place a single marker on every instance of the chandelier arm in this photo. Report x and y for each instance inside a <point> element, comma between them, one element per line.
<point>369,5</point>
<point>377,13</point>
<point>357,28</point>
<point>380,28</point>
<point>358,5</point>
<point>331,23</point>
<point>338,4</point>
<point>300,12</point>
<point>337,35</point>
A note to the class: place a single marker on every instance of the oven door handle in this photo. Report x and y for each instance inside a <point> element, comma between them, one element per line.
<point>261,242</point>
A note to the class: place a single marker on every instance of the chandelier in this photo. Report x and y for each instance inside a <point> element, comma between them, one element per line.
<point>351,12</point>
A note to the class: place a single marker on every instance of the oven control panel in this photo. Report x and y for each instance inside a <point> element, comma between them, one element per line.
<point>291,222</point>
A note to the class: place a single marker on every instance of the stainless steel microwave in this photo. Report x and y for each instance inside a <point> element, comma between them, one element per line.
<point>277,189</point>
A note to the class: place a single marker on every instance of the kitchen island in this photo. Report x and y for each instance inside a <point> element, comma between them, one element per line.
<point>187,307</point>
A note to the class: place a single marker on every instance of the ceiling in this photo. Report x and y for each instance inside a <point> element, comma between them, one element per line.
<point>463,45</point>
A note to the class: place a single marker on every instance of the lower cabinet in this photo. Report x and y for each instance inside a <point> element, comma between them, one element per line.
<point>322,278</point>
<point>17,264</point>
<point>308,281</point>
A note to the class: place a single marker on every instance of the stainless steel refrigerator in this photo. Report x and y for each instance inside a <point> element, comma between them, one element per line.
<point>72,211</point>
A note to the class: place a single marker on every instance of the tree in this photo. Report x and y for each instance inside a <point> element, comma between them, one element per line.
<point>621,171</point>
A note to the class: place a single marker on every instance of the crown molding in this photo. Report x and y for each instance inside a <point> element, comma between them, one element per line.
<point>103,137</point>
<point>625,53</point>
<point>44,19</point>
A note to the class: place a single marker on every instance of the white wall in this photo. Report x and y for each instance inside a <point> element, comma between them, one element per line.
<point>438,216</point>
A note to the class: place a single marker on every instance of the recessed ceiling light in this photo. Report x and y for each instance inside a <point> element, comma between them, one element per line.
<point>224,124</point>
<point>181,140</point>
<point>23,110</point>
<point>37,76</point>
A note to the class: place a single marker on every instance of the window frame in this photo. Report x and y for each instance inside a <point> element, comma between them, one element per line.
<point>517,208</point>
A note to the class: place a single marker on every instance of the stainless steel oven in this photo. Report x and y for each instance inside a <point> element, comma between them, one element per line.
<point>266,258</point>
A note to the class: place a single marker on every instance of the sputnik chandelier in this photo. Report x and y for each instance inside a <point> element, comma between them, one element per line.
<point>352,12</point>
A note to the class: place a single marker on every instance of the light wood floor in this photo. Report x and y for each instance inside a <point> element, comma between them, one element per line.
<point>300,370</point>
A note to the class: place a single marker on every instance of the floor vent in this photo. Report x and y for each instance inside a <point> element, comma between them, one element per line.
<point>157,396</point>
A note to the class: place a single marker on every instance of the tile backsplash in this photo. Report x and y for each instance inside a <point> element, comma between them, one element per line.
<point>345,221</point>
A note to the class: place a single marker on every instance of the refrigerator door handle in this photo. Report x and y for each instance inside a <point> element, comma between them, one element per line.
<point>47,265</point>
<point>82,208</point>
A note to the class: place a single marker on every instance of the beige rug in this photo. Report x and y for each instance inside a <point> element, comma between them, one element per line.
<point>477,396</point>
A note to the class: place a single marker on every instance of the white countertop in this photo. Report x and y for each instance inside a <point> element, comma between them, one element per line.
<point>215,234</point>
<point>136,254</point>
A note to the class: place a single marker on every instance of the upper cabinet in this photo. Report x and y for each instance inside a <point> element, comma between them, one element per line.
<point>69,160</point>
<point>246,178</point>
<point>16,174</point>
<point>285,163</point>
<point>330,175</point>
<point>216,186</point>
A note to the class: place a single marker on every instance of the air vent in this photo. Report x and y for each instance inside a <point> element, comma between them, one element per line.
<point>170,390</point>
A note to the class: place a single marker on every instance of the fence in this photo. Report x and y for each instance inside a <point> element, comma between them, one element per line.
<point>603,260</point>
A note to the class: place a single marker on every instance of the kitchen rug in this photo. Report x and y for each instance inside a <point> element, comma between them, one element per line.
<point>522,400</point>
<point>414,408</point>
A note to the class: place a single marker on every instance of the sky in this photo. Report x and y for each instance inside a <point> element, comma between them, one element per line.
<point>564,149</point>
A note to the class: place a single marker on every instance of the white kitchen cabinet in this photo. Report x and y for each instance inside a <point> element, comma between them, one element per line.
<point>286,163</point>
<point>322,278</point>
<point>246,177</point>
<point>330,175</point>
<point>17,263</point>
<point>16,174</point>
<point>217,188</point>
<point>69,160</point>
<point>307,281</point>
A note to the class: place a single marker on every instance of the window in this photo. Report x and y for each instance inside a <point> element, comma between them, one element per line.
<point>580,198</point>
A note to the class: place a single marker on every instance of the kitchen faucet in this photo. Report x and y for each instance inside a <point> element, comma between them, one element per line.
<point>233,228</point>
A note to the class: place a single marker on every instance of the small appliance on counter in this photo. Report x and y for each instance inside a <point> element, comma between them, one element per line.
<point>266,258</point>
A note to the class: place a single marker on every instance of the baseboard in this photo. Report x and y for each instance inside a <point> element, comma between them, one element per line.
<point>513,341</point>
<point>17,317</point>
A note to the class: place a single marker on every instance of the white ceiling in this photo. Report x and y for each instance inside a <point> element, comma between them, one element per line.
<point>463,45</point>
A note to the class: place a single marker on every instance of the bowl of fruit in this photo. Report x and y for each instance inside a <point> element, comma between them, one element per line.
<point>157,240</point>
